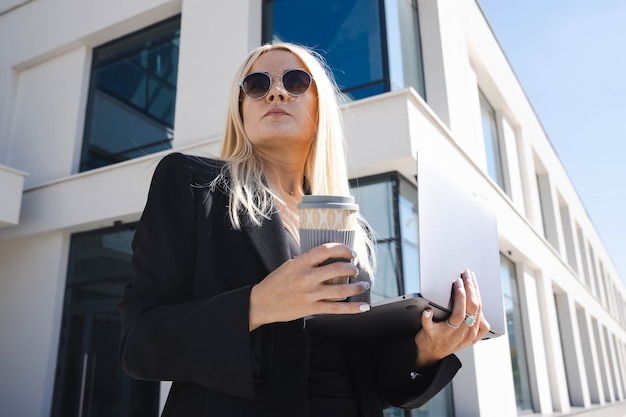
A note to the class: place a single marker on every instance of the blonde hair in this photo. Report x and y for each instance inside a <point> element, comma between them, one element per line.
<point>325,167</point>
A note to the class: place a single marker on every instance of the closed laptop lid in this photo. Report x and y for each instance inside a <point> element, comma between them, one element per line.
<point>457,231</point>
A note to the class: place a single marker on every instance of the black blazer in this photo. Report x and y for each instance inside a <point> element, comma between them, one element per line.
<point>185,313</point>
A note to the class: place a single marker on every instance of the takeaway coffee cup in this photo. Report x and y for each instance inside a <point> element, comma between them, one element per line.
<point>325,219</point>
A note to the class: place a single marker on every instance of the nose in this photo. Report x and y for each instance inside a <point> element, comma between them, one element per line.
<point>277,91</point>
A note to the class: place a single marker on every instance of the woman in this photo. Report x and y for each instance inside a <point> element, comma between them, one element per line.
<point>219,287</point>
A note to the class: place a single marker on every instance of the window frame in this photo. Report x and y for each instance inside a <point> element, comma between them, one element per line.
<point>495,152</point>
<point>128,46</point>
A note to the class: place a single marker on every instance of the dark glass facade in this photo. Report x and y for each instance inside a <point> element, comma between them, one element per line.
<point>89,380</point>
<point>350,34</point>
<point>132,96</point>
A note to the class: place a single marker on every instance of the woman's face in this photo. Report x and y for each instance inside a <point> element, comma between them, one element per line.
<point>279,123</point>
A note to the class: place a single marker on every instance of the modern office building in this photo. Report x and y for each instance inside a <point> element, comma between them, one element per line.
<point>94,93</point>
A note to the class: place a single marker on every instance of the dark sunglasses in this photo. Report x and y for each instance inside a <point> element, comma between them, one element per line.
<point>257,84</point>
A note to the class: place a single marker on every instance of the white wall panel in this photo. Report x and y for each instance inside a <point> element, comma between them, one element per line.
<point>47,117</point>
<point>32,278</point>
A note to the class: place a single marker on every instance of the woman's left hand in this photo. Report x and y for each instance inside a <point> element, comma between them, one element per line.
<point>465,326</point>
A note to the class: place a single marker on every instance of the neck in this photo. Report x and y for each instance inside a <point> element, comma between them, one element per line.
<point>285,179</point>
<point>284,186</point>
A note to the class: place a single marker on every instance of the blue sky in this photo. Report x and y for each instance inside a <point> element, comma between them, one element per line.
<point>569,57</point>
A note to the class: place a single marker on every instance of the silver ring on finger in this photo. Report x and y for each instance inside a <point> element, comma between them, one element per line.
<point>452,325</point>
<point>470,320</point>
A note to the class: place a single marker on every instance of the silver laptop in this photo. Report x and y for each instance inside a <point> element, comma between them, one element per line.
<point>456,231</point>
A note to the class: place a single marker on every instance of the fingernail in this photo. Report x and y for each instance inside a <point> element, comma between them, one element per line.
<point>428,313</point>
<point>354,253</point>
<point>459,282</point>
<point>364,307</point>
<point>467,274</point>
<point>366,285</point>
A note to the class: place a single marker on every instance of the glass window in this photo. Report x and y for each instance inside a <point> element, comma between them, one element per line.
<point>595,285</point>
<point>546,204</point>
<point>375,196</point>
<point>89,379</point>
<point>584,274</point>
<point>441,405</point>
<point>492,141</point>
<point>516,336</point>
<point>132,94</point>
<point>407,211</point>
<point>568,234</point>
<point>348,33</point>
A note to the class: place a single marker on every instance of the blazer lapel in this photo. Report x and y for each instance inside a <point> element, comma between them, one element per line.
<point>269,241</point>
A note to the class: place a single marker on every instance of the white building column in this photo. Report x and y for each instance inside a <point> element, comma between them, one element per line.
<point>164,392</point>
<point>598,334</point>
<point>615,368</point>
<point>451,82</point>
<point>486,374</point>
<point>572,351</point>
<point>215,36</point>
<point>606,348</point>
<point>533,322</point>
<point>8,86</point>
<point>592,366</point>
<point>619,347</point>
<point>554,352</point>
<point>435,77</point>
<point>32,287</point>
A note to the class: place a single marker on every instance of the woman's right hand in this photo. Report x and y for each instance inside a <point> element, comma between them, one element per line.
<point>296,289</point>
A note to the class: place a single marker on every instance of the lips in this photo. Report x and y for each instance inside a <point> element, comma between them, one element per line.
<point>276,111</point>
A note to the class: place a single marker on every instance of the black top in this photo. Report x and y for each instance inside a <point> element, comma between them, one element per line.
<point>330,388</point>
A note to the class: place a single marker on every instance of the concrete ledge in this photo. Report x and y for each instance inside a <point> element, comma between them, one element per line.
<point>11,189</point>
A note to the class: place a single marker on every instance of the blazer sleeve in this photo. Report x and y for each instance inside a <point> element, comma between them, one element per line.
<point>167,332</point>
<point>401,384</point>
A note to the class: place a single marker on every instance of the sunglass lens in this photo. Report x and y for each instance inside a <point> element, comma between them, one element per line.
<point>296,82</point>
<point>256,85</point>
